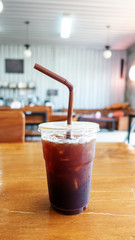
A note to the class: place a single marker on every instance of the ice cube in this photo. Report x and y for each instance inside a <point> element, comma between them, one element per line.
<point>61,152</point>
<point>75,183</point>
<point>82,140</point>
<point>64,159</point>
<point>77,169</point>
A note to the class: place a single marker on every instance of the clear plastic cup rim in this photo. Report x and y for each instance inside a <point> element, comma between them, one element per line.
<point>75,126</point>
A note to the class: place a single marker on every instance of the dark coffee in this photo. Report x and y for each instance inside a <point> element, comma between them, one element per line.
<point>69,169</point>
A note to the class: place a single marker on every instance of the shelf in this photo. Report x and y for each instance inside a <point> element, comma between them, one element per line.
<point>27,88</point>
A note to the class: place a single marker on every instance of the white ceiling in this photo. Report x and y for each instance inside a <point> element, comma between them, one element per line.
<point>90,18</point>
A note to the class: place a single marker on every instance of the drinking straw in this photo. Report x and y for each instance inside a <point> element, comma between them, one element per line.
<point>63,81</point>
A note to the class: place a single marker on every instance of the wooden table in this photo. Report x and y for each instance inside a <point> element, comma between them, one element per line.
<point>106,120</point>
<point>25,211</point>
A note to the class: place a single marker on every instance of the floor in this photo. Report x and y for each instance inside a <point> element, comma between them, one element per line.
<point>115,136</point>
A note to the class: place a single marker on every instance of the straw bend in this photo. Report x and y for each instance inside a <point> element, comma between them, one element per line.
<point>54,76</point>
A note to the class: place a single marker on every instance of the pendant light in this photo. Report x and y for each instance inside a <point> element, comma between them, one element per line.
<point>132,73</point>
<point>1,6</point>
<point>107,52</point>
<point>27,51</point>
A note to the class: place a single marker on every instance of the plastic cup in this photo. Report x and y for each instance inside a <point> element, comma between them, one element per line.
<point>69,163</point>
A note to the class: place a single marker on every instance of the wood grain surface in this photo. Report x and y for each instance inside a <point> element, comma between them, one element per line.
<point>25,211</point>
<point>12,126</point>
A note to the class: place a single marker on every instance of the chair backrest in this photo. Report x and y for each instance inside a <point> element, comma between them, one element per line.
<point>12,126</point>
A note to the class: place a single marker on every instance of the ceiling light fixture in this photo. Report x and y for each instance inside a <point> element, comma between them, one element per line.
<point>66,26</point>
<point>132,73</point>
<point>27,51</point>
<point>107,52</point>
<point>1,6</point>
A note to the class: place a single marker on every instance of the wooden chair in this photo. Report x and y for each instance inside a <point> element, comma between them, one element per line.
<point>12,126</point>
<point>33,117</point>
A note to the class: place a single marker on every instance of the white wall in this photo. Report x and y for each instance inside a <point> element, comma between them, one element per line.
<point>96,81</point>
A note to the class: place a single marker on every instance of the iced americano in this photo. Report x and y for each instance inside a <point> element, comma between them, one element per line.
<point>69,164</point>
<point>69,150</point>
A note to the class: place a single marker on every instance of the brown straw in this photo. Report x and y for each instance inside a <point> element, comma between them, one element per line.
<point>63,81</point>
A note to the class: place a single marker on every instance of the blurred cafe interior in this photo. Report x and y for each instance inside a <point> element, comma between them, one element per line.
<point>97,56</point>
<point>91,44</point>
